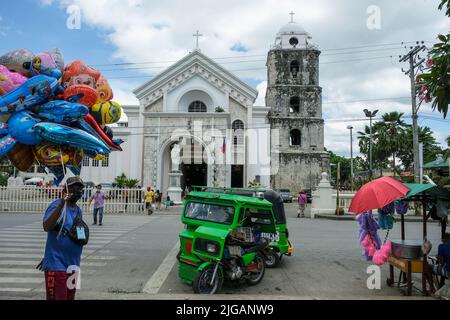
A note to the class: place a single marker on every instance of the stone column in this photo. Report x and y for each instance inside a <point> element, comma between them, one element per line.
<point>322,198</point>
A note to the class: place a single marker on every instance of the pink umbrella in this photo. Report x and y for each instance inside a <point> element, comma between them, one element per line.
<point>376,194</point>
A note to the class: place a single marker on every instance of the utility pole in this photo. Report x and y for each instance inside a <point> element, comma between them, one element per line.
<point>370,114</point>
<point>349,127</point>
<point>411,57</point>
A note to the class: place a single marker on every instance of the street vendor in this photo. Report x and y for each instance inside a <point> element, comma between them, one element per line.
<point>443,266</point>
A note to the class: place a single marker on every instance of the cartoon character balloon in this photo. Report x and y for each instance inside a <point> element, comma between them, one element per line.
<point>106,112</point>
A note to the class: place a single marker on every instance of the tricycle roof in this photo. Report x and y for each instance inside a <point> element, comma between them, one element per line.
<point>199,195</point>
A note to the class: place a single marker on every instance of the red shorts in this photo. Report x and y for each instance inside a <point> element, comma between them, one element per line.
<point>56,286</point>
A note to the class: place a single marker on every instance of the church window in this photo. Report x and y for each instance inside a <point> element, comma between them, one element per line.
<point>238,132</point>
<point>85,162</point>
<point>95,163</point>
<point>197,106</point>
<point>294,104</point>
<point>295,68</point>
<point>296,138</point>
<point>105,162</point>
<point>293,41</point>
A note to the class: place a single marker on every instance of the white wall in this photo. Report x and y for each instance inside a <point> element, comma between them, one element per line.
<point>210,95</point>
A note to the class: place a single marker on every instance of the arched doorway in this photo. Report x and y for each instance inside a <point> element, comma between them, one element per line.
<point>193,165</point>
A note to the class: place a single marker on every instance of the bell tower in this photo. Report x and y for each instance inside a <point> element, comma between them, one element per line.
<point>294,96</point>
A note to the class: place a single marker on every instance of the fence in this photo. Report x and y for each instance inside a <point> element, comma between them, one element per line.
<point>33,199</point>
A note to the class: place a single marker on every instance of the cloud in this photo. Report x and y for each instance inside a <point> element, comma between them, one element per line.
<point>140,30</point>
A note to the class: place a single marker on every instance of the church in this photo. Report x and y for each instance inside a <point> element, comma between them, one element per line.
<point>204,115</point>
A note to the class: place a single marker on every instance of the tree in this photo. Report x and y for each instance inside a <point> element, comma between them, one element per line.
<point>430,147</point>
<point>345,168</point>
<point>390,134</point>
<point>123,181</point>
<point>434,84</point>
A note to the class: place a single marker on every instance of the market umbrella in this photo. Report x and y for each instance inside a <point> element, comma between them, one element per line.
<point>376,194</point>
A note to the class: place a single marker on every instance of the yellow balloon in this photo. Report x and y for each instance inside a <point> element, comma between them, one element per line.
<point>106,112</point>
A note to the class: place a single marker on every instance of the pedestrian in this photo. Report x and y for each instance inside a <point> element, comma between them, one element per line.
<point>168,202</point>
<point>62,253</point>
<point>99,203</point>
<point>158,198</point>
<point>149,195</point>
<point>302,200</point>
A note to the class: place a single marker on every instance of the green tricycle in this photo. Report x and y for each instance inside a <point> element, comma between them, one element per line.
<point>226,237</point>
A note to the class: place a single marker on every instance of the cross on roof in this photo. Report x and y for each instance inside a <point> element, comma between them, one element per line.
<point>292,16</point>
<point>196,41</point>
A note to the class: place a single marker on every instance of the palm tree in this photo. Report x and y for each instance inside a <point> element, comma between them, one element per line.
<point>391,130</point>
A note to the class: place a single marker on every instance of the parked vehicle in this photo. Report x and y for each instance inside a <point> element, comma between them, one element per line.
<point>224,239</point>
<point>286,194</point>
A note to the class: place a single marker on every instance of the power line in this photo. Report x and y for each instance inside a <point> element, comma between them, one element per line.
<point>254,55</point>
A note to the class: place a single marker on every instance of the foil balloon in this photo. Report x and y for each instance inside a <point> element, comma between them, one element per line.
<point>104,90</point>
<point>61,111</point>
<point>19,128</point>
<point>64,135</point>
<point>106,112</point>
<point>21,156</point>
<point>77,73</point>
<point>50,154</point>
<point>18,61</point>
<point>43,63</point>
<point>9,80</point>
<point>82,94</point>
<point>93,124</point>
<point>57,57</point>
<point>34,91</point>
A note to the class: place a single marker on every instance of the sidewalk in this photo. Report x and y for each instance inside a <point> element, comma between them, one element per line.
<point>346,217</point>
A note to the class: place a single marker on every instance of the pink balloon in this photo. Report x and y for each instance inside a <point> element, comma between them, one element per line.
<point>9,80</point>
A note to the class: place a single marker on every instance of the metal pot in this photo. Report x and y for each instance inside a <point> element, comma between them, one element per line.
<point>407,249</point>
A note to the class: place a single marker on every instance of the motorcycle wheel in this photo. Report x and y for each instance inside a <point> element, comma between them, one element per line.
<point>256,277</point>
<point>273,259</point>
<point>202,283</point>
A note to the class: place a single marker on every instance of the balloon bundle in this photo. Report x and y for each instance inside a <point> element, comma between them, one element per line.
<point>368,237</point>
<point>53,115</point>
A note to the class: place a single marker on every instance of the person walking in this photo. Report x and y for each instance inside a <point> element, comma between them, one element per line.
<point>168,202</point>
<point>158,198</point>
<point>149,195</point>
<point>62,254</point>
<point>302,201</point>
<point>99,203</point>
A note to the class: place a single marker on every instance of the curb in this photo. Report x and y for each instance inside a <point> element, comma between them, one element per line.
<point>348,217</point>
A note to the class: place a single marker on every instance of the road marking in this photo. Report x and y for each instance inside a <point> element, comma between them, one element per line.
<point>19,270</point>
<point>19,262</point>
<point>39,245</point>
<point>37,250</point>
<point>156,281</point>
<point>21,280</point>
<point>30,241</point>
<point>44,236</point>
<point>15,289</point>
<point>20,255</point>
<point>98,257</point>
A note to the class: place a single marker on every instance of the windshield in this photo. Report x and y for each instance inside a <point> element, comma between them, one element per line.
<point>209,212</point>
<point>285,190</point>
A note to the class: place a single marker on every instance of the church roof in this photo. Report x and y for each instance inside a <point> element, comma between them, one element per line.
<point>196,62</point>
<point>292,28</point>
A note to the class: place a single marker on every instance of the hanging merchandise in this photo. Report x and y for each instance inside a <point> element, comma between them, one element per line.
<point>401,207</point>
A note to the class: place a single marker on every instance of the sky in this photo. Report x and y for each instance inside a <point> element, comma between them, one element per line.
<point>360,43</point>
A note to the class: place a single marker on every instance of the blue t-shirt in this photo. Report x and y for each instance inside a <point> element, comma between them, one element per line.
<point>444,251</point>
<point>60,253</point>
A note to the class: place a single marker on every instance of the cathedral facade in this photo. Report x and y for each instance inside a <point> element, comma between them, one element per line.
<point>225,139</point>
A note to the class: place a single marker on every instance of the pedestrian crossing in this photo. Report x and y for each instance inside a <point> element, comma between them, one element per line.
<point>22,248</point>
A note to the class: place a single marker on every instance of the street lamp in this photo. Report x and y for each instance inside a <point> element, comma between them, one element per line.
<point>349,127</point>
<point>370,114</point>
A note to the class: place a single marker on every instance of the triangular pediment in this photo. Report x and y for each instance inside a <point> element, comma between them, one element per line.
<point>195,64</point>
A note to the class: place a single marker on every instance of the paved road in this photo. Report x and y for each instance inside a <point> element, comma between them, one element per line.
<point>129,252</point>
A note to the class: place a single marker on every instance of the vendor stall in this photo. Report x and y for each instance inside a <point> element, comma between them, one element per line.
<point>410,256</point>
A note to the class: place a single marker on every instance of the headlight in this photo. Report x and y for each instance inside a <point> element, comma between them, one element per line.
<point>207,246</point>
<point>211,248</point>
